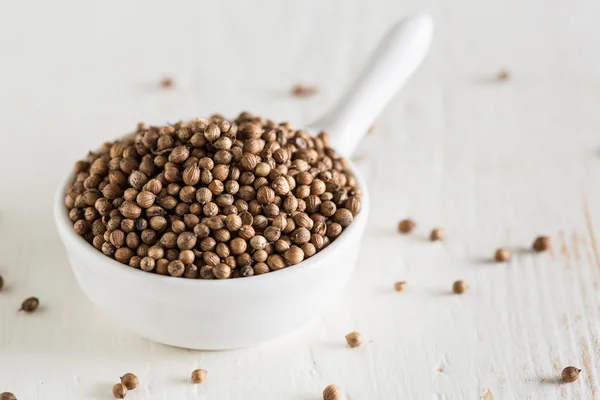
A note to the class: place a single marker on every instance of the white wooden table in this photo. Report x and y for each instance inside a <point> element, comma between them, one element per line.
<point>493,163</point>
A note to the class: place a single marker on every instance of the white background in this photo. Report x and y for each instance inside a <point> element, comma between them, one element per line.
<point>493,163</point>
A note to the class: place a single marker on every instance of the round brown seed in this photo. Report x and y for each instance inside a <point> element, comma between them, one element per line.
<point>436,234</point>
<point>294,255</point>
<point>7,396</point>
<point>406,226</point>
<point>186,240</point>
<point>119,391</point>
<point>222,271</point>
<point>130,381</point>
<point>275,262</point>
<point>459,287</point>
<point>542,243</point>
<point>30,304</point>
<point>332,392</point>
<point>502,255</point>
<point>570,374</point>
<point>198,376</point>
<point>354,339</point>
<point>399,286</point>
<point>176,268</point>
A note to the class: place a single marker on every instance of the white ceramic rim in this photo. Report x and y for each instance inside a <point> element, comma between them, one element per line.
<point>65,228</point>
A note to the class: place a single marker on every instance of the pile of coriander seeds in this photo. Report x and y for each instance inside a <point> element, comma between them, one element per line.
<point>213,198</point>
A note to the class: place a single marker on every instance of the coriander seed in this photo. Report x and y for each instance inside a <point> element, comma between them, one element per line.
<point>7,396</point>
<point>30,304</point>
<point>260,268</point>
<point>570,374</point>
<point>303,90</point>
<point>1,282</point>
<point>399,286</point>
<point>504,75</point>
<point>119,391</point>
<point>406,226</point>
<point>294,255</point>
<point>248,195</point>
<point>502,255</point>
<point>542,243</point>
<point>130,381</point>
<point>275,262</point>
<point>176,268</point>
<point>354,339</point>
<point>198,376</point>
<point>147,264</point>
<point>459,287</point>
<point>436,234</point>
<point>222,271</point>
<point>332,392</point>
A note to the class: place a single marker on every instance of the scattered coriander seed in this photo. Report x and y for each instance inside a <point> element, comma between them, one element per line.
<point>166,83</point>
<point>406,226</point>
<point>399,286</point>
<point>7,396</point>
<point>542,243</point>
<point>198,376</point>
<point>354,339</point>
<point>436,234</point>
<point>459,287</point>
<point>332,392</point>
<point>502,255</point>
<point>504,75</point>
<point>119,391</point>
<point>1,282</point>
<point>300,90</point>
<point>570,374</point>
<point>130,381</point>
<point>30,304</point>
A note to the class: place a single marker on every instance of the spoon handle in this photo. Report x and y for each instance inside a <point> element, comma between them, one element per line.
<point>398,55</point>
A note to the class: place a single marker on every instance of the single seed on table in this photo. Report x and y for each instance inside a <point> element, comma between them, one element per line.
<point>130,381</point>
<point>7,396</point>
<point>436,234</point>
<point>502,255</point>
<point>570,374</point>
<point>332,392</point>
<point>354,339</point>
<point>503,75</point>
<point>542,243</point>
<point>30,304</point>
<point>300,90</point>
<point>198,375</point>
<point>459,287</point>
<point>399,286</point>
<point>406,226</point>
<point>119,391</point>
<point>166,83</point>
<point>1,282</point>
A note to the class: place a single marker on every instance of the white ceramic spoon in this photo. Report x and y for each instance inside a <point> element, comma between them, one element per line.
<point>398,55</point>
<point>231,313</point>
